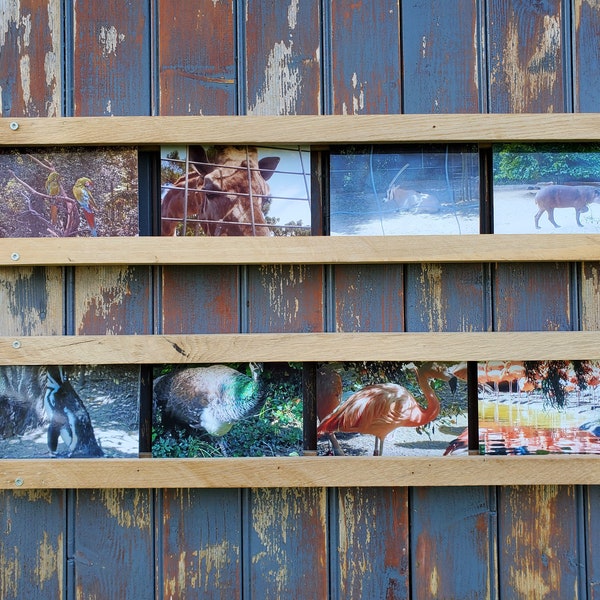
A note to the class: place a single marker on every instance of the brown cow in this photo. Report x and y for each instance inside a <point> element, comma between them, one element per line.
<point>565,196</point>
<point>226,190</point>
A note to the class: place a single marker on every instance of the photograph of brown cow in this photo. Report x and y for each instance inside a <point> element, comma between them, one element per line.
<point>235,191</point>
<point>546,188</point>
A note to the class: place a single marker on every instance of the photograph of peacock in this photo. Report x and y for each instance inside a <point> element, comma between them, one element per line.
<point>208,399</point>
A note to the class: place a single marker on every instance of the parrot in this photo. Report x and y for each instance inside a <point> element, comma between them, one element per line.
<point>53,189</point>
<point>86,201</point>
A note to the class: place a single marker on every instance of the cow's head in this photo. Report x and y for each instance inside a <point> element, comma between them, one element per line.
<point>235,186</point>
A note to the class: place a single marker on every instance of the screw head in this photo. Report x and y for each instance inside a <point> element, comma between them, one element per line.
<point>19,481</point>
<point>15,256</point>
<point>14,125</point>
<point>16,344</point>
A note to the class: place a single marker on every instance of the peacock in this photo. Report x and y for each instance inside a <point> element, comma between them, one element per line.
<point>211,398</point>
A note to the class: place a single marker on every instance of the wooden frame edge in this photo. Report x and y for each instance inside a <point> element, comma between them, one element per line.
<point>25,474</point>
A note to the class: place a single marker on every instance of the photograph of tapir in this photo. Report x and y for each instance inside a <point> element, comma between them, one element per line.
<point>550,188</point>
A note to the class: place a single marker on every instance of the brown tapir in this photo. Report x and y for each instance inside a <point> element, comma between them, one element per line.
<point>565,196</point>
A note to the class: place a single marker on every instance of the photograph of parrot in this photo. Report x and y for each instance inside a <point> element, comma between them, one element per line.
<point>84,196</point>
<point>53,189</point>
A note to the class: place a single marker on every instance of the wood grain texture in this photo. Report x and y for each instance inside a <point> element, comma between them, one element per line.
<point>315,250</point>
<point>537,534</point>
<point>586,17</point>
<point>113,300</point>
<point>108,525</point>
<point>30,65</point>
<point>196,68</point>
<point>32,558</point>
<point>287,542</point>
<point>361,82</point>
<point>298,472</point>
<point>275,347</point>
<point>283,58</point>
<point>200,542</point>
<point>441,63</point>
<point>111,49</point>
<point>451,554</point>
<point>300,129</point>
<point>372,529</point>
<point>526,57</point>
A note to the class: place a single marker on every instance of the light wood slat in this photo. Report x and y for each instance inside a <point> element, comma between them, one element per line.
<point>274,347</point>
<point>299,129</point>
<point>299,472</point>
<point>299,250</point>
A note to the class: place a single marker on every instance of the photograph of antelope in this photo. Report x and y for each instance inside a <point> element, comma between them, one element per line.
<point>69,412</point>
<point>69,192</point>
<point>546,188</point>
<point>404,190</point>
<point>235,190</point>
<point>537,407</point>
<point>388,408</point>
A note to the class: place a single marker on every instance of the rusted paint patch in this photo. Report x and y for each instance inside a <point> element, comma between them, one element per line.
<point>33,301</point>
<point>590,292</point>
<point>10,571</point>
<point>432,297</point>
<point>139,514</point>
<point>49,562</point>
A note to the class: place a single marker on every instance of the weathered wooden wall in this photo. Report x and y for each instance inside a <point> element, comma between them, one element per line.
<point>290,57</point>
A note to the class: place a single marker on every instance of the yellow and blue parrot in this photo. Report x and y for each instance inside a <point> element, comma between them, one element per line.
<point>84,196</point>
<point>53,189</point>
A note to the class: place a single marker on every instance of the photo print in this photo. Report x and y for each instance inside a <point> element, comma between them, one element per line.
<point>216,410</point>
<point>537,407</point>
<point>389,408</point>
<point>235,190</point>
<point>408,190</point>
<point>69,412</point>
<point>69,192</point>
<point>546,188</point>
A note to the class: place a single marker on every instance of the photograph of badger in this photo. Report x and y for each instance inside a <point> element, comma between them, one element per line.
<point>69,412</point>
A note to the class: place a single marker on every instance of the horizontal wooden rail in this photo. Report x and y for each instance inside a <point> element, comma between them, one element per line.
<point>300,129</point>
<point>275,347</point>
<point>299,472</point>
<point>299,250</point>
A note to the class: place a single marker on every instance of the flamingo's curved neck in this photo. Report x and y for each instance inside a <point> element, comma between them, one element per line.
<point>433,403</point>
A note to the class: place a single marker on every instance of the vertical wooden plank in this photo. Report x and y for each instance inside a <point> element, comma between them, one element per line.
<point>369,298</point>
<point>112,544</point>
<point>448,297</point>
<point>586,60</point>
<point>526,56</point>
<point>197,72</point>
<point>373,531</point>
<point>451,555</point>
<point>200,300</point>
<point>441,57</point>
<point>365,57</point>
<point>537,530</point>
<point>287,543</point>
<point>285,298</point>
<point>592,530</point>
<point>111,56</point>
<point>532,296</point>
<point>30,54</point>
<point>33,301</point>
<point>283,49</point>
<point>32,544</point>
<point>200,544</point>
<point>113,300</point>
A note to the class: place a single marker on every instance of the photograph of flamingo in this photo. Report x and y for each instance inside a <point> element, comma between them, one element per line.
<point>69,192</point>
<point>537,407</point>
<point>388,409</point>
<point>235,190</point>
<point>404,190</point>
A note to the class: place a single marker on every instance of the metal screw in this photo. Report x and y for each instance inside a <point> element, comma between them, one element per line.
<point>19,482</point>
<point>14,125</point>
<point>16,344</point>
<point>15,256</point>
